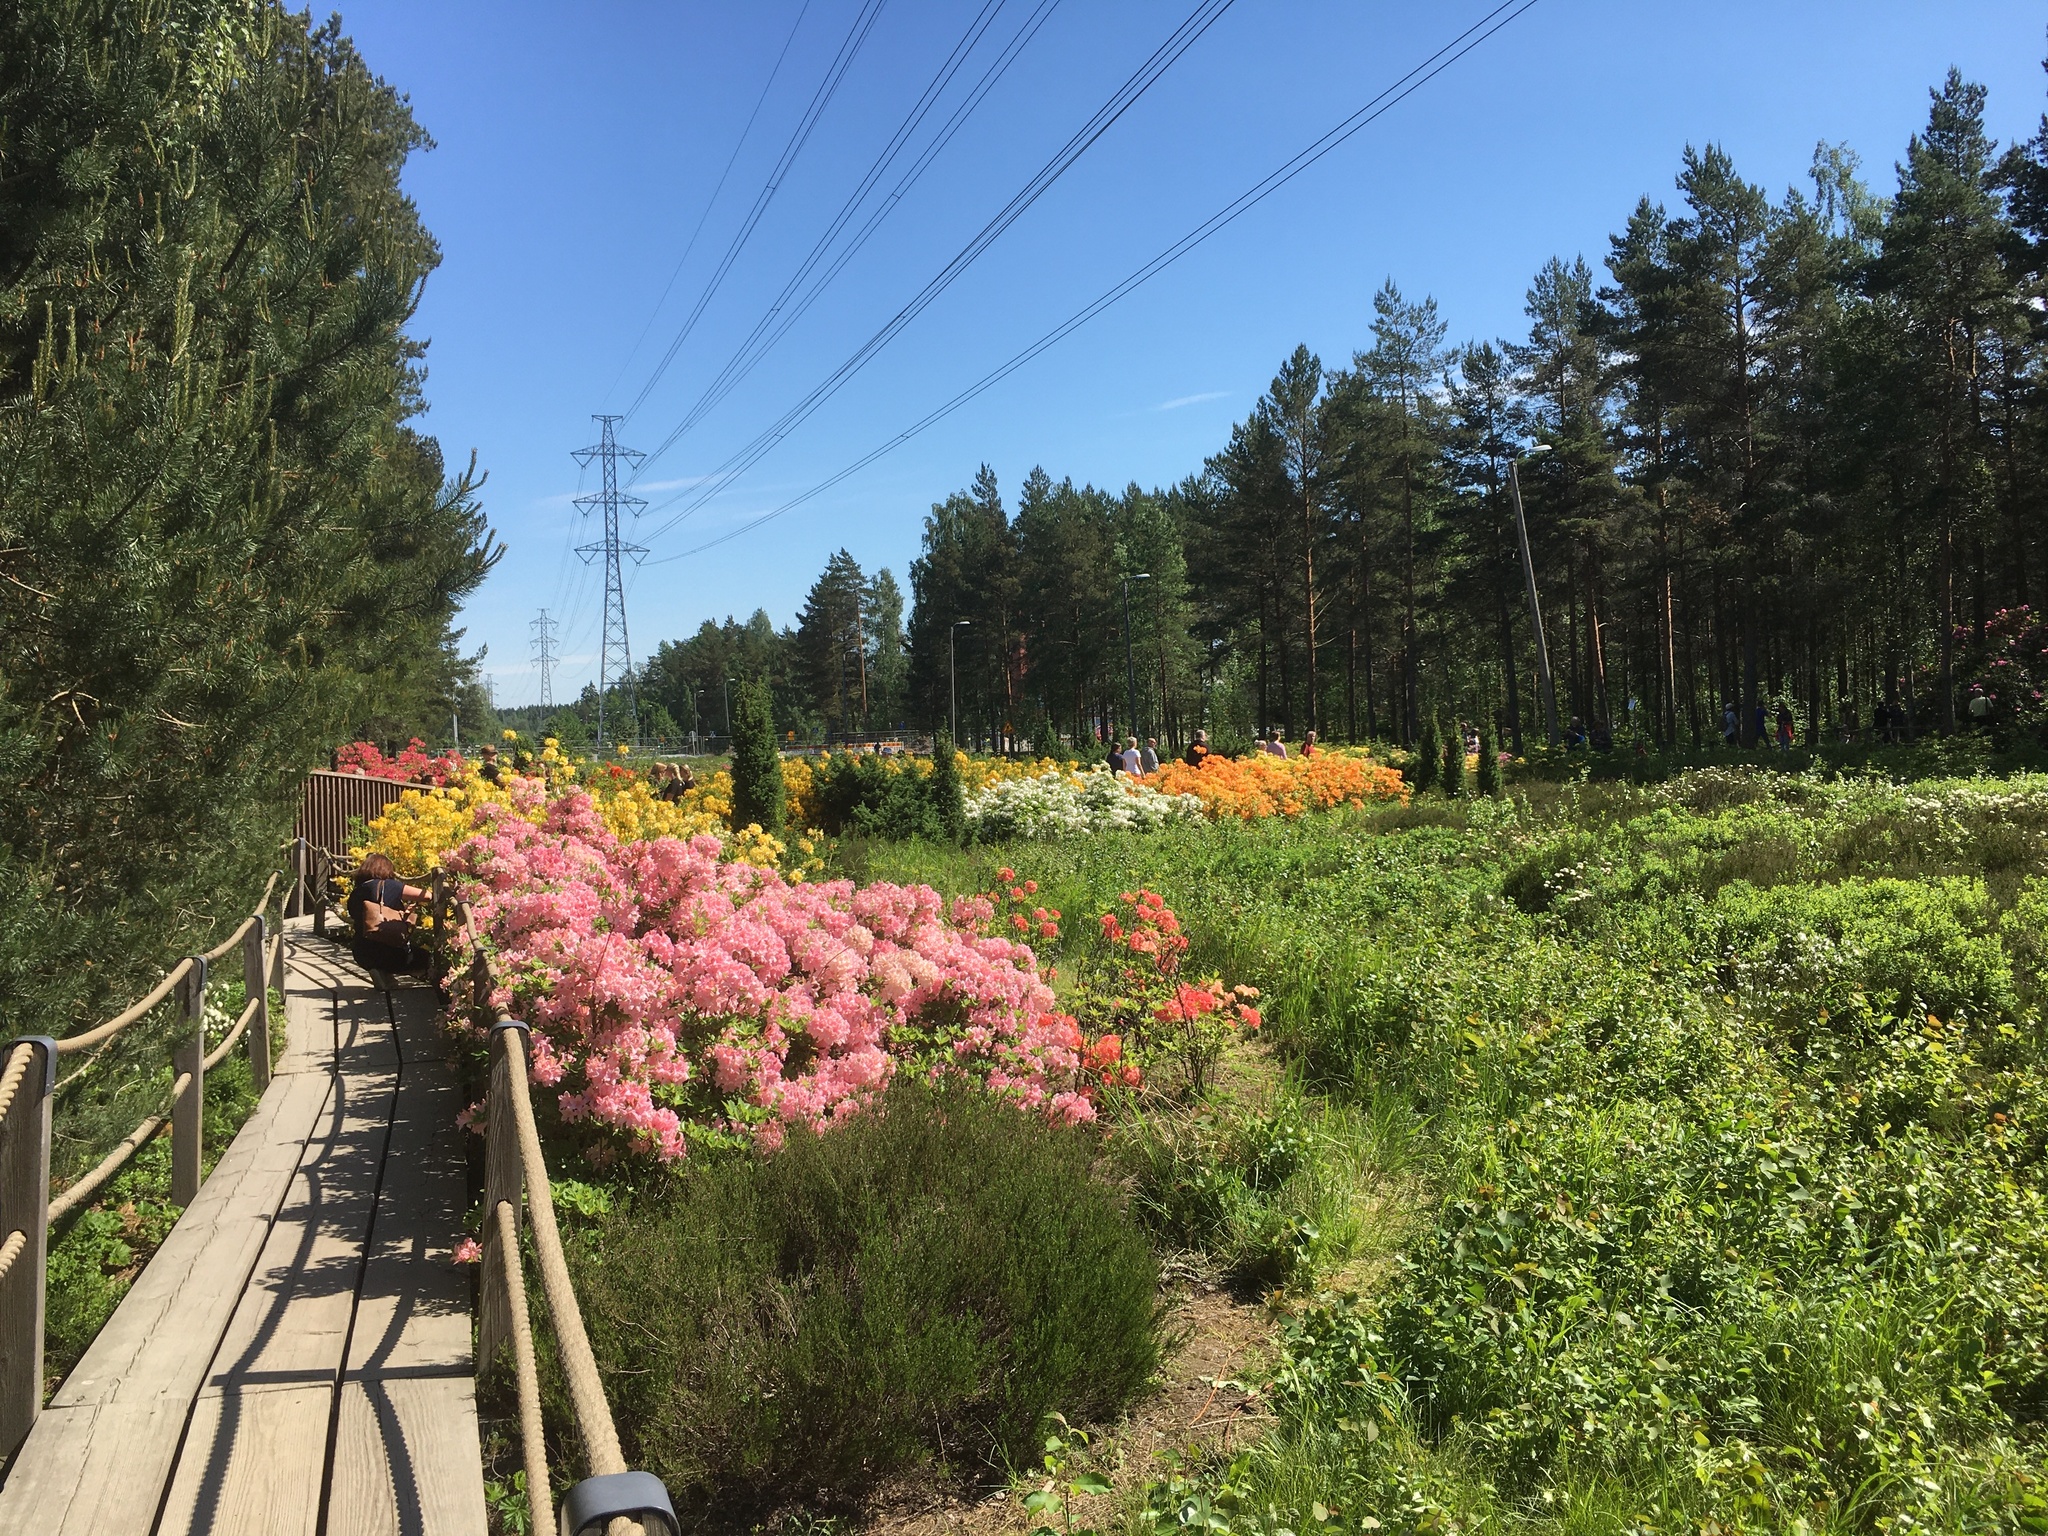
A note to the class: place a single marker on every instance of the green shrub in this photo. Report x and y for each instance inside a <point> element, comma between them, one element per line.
<point>1489,759</point>
<point>926,1281</point>
<point>948,796</point>
<point>757,793</point>
<point>1429,756</point>
<point>1454,762</point>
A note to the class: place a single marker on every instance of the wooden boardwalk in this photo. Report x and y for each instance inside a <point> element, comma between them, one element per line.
<point>295,1360</point>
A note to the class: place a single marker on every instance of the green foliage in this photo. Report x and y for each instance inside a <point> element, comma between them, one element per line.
<point>857,793</point>
<point>926,1281</point>
<point>1268,1192</point>
<point>1489,759</point>
<point>1725,1229</point>
<point>757,792</point>
<point>1454,763</point>
<point>225,545</point>
<point>571,733</point>
<point>1429,757</point>
<point>947,794</point>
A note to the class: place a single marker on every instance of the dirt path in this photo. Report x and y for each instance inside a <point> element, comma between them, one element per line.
<point>1214,1343</point>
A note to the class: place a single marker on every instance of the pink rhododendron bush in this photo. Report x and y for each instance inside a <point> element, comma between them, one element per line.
<point>670,994</point>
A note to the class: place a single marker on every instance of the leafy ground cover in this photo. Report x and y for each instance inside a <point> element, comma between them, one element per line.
<point>1726,1095</point>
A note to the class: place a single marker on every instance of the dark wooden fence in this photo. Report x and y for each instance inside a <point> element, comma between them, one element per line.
<point>329,801</point>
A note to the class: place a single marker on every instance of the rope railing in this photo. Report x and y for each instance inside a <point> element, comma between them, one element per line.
<point>613,1498</point>
<point>28,1209</point>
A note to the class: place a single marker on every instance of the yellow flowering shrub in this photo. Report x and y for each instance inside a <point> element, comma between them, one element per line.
<point>423,824</point>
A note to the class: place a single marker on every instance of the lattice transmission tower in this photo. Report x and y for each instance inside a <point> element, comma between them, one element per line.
<point>615,656</point>
<point>544,656</point>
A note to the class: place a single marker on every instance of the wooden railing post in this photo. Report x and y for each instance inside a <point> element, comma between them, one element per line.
<point>301,875</point>
<point>323,871</point>
<point>24,1210</point>
<point>256,985</point>
<point>188,1114</point>
<point>503,1182</point>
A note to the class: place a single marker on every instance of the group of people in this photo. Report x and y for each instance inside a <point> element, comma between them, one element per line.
<point>1134,759</point>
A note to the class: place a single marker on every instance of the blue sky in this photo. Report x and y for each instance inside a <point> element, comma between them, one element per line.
<point>577,147</point>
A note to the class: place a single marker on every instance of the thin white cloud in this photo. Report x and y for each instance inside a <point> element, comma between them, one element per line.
<point>1174,405</point>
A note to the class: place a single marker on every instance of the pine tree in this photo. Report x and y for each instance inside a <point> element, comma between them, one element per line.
<point>757,798</point>
<point>1489,759</point>
<point>1428,761</point>
<point>1454,762</point>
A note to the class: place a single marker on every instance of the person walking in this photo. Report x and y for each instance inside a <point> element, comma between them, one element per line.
<point>1731,725</point>
<point>1148,760</point>
<point>1198,750</point>
<point>1130,757</point>
<point>1308,745</point>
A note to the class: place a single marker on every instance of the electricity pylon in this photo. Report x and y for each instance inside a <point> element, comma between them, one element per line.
<point>615,656</point>
<point>544,653</point>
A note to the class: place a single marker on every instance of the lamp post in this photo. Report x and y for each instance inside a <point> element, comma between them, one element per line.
<point>952,679</point>
<point>1130,666</point>
<point>728,714</point>
<point>1535,607</point>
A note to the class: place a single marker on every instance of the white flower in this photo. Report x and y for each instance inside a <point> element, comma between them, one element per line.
<point>1062,804</point>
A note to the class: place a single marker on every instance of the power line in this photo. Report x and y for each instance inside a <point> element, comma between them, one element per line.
<point>710,202</point>
<point>863,23</point>
<point>1487,25</point>
<point>1177,43</point>
<point>761,340</point>
<point>615,654</point>
<point>544,655</point>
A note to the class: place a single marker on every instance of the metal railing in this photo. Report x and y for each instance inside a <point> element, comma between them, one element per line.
<point>28,1090</point>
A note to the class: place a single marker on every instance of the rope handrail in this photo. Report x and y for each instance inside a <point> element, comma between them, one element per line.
<point>82,1192</point>
<point>11,1250</point>
<point>71,1045</point>
<point>612,1493</point>
<point>221,949</point>
<point>532,1434</point>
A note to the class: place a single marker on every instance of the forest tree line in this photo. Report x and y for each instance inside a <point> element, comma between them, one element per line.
<point>1774,453</point>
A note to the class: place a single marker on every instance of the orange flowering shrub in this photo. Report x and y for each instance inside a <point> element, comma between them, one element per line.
<point>1261,785</point>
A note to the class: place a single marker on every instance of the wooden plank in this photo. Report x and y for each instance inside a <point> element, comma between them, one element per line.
<point>253,1465</point>
<point>407,1453</point>
<point>255,1455</point>
<point>407,1461</point>
<point>413,1310</point>
<point>102,1452</point>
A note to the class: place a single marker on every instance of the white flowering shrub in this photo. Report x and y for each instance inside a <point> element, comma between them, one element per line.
<point>1065,804</point>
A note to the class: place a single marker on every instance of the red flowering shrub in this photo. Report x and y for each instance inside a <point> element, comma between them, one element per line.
<point>414,765</point>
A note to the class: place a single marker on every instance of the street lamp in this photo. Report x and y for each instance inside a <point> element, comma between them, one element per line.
<point>1535,607</point>
<point>952,678</point>
<point>728,714</point>
<point>1130,667</point>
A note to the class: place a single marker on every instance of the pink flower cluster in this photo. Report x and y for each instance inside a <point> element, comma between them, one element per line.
<point>413,765</point>
<point>663,986</point>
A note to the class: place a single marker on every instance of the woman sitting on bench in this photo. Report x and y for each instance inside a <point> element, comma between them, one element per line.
<point>377,910</point>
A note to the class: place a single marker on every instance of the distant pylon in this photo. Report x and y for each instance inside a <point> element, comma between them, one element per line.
<point>615,656</point>
<point>544,654</point>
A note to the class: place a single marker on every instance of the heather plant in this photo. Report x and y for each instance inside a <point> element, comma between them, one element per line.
<point>922,1284</point>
